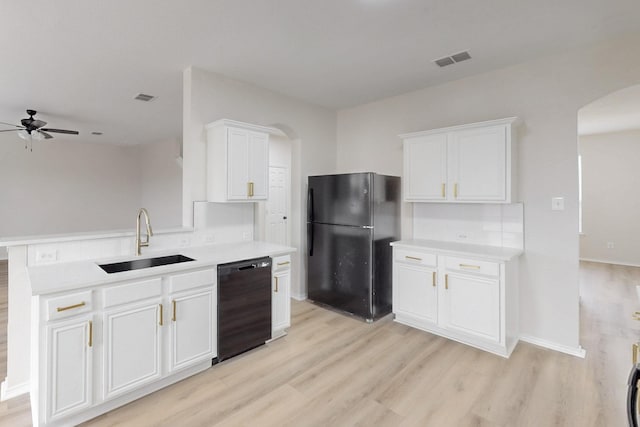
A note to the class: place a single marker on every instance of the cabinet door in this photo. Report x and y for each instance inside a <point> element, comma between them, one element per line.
<point>237,164</point>
<point>132,347</point>
<point>192,328</point>
<point>472,306</point>
<point>258,157</point>
<point>415,292</point>
<point>281,300</point>
<point>478,164</point>
<point>69,358</point>
<point>425,168</point>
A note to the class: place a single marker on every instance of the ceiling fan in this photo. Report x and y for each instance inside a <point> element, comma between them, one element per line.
<point>34,129</point>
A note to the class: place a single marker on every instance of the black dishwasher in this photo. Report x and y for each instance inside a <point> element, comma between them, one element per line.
<point>244,306</point>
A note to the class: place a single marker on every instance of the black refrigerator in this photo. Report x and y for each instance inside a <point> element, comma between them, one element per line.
<point>351,219</point>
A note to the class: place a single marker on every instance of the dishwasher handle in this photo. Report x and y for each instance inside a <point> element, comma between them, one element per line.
<point>225,269</point>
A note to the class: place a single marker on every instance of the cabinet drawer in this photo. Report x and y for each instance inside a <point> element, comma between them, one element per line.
<point>132,292</point>
<point>191,280</point>
<point>415,257</point>
<point>281,263</point>
<point>485,268</point>
<point>69,305</point>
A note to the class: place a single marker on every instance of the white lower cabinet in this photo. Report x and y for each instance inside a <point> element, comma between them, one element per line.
<point>132,347</point>
<point>415,292</point>
<point>102,348</point>
<point>193,326</point>
<point>280,295</point>
<point>69,371</point>
<point>473,301</point>
<point>472,306</point>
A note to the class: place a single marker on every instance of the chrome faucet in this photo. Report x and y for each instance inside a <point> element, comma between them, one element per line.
<point>139,242</point>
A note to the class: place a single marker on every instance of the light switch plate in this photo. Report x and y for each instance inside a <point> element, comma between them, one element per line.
<point>557,204</point>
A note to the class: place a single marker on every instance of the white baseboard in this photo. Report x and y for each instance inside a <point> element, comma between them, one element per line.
<point>573,351</point>
<point>7,392</point>
<point>299,297</point>
<point>603,261</point>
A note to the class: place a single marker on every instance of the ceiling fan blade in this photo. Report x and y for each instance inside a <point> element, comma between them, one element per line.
<point>68,132</point>
<point>11,124</point>
<point>10,130</point>
<point>38,123</point>
<point>46,135</point>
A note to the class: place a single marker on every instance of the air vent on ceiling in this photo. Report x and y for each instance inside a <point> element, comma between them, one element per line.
<point>144,97</point>
<point>456,57</point>
<point>96,133</point>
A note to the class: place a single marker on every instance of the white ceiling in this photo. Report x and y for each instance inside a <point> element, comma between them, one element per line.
<point>617,112</point>
<point>81,62</point>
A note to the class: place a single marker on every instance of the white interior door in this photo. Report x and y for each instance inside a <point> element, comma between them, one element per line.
<point>277,210</point>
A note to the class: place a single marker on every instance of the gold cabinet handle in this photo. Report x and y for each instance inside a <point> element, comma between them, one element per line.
<point>455,190</point>
<point>70,307</point>
<point>250,188</point>
<point>173,309</point>
<point>284,263</point>
<point>276,283</point>
<point>160,308</point>
<point>433,278</point>
<point>413,258</point>
<point>446,281</point>
<point>634,355</point>
<point>90,333</point>
<point>470,266</point>
<point>444,190</point>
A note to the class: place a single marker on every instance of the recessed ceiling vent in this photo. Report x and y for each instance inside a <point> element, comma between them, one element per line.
<point>456,57</point>
<point>144,97</point>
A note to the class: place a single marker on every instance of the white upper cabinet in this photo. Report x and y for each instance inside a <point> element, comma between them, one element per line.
<point>237,161</point>
<point>465,164</point>
<point>425,168</point>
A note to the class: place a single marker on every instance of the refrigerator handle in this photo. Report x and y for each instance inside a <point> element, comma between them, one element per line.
<point>310,238</point>
<point>310,205</point>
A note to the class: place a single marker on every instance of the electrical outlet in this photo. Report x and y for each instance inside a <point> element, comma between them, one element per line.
<point>462,236</point>
<point>557,204</point>
<point>210,238</point>
<point>185,242</point>
<point>610,245</point>
<point>246,235</point>
<point>45,256</point>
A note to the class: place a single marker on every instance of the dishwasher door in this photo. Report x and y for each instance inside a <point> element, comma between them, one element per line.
<point>244,306</point>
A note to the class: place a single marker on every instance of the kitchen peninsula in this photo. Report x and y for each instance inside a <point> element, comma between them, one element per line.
<point>86,330</point>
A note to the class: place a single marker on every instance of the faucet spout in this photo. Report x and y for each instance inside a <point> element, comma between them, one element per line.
<point>139,242</point>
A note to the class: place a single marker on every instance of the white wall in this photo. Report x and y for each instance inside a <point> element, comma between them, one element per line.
<point>65,187</point>
<point>611,197</point>
<point>160,183</point>
<point>545,93</point>
<point>209,97</point>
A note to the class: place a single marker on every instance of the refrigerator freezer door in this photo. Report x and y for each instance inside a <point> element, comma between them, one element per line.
<point>340,267</point>
<point>340,199</point>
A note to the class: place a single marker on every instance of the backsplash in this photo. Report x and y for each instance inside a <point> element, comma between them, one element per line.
<point>223,222</point>
<point>480,224</point>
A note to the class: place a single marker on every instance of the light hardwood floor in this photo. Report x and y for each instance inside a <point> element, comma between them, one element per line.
<point>332,370</point>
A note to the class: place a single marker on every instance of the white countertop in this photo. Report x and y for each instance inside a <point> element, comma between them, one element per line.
<point>51,278</point>
<point>494,253</point>
<point>85,235</point>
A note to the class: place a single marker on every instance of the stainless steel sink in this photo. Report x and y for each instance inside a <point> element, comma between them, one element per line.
<point>137,264</point>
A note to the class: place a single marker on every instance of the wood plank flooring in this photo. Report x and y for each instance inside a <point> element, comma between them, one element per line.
<point>332,370</point>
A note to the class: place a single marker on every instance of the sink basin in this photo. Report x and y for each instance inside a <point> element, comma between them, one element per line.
<point>137,264</point>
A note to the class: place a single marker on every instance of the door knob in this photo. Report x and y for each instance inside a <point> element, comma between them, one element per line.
<point>284,217</point>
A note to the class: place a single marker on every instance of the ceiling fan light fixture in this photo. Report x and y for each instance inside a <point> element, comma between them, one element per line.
<point>24,135</point>
<point>37,135</point>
